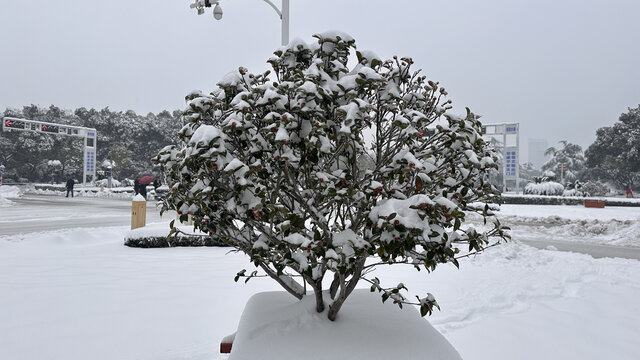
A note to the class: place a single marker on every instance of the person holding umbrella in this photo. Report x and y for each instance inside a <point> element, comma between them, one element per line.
<point>143,181</point>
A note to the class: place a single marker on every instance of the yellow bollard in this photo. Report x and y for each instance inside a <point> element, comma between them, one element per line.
<point>138,212</point>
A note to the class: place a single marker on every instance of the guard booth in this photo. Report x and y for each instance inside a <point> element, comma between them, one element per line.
<point>89,136</point>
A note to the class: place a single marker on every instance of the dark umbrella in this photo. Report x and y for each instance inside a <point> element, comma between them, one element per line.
<point>145,179</point>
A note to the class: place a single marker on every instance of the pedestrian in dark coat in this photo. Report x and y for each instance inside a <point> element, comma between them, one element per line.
<point>70,184</point>
<point>142,188</point>
<point>136,186</point>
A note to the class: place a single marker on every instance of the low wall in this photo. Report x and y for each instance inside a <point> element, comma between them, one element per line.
<point>564,200</point>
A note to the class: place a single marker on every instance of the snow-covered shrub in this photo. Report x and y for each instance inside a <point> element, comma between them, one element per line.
<point>569,157</point>
<point>572,192</point>
<point>574,189</point>
<point>105,182</point>
<point>544,188</point>
<point>275,168</point>
<point>595,188</point>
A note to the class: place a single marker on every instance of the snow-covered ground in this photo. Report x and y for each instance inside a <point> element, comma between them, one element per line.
<point>618,226</point>
<point>80,294</point>
<point>7,192</point>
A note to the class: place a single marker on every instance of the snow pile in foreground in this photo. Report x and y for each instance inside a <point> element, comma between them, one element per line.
<point>275,326</point>
<point>80,294</point>
<point>6,192</point>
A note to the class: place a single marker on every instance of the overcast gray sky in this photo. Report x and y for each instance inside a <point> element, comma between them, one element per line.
<point>561,68</point>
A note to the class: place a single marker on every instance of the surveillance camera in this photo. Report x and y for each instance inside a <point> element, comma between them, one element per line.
<point>217,12</point>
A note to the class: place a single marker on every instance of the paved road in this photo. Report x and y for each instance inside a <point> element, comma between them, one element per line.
<point>34,213</point>
<point>595,250</point>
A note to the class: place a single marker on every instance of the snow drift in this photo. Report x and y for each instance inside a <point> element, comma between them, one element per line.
<point>275,326</point>
<point>7,192</point>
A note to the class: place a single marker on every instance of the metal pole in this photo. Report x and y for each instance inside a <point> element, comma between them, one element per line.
<point>285,22</point>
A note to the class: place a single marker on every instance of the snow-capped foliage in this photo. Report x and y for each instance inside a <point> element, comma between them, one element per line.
<point>544,188</point>
<point>568,157</point>
<point>316,169</point>
<point>595,188</point>
<point>615,154</point>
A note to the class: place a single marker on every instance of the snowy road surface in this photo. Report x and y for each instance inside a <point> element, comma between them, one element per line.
<point>35,213</point>
<point>595,250</point>
<point>615,232</point>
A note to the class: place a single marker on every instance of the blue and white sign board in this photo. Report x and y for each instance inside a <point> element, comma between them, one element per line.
<point>89,135</point>
<point>91,161</point>
<point>506,139</point>
<point>511,164</point>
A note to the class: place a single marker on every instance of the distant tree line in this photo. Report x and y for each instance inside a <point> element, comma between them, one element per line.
<point>126,138</point>
<point>130,140</point>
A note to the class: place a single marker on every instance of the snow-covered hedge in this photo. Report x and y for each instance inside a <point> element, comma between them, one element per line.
<point>273,167</point>
<point>173,241</point>
<point>544,188</point>
<point>157,236</point>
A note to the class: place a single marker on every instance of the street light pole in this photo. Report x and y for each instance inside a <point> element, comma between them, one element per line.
<point>284,18</point>
<point>283,13</point>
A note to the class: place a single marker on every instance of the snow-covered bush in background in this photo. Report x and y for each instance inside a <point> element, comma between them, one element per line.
<point>569,156</point>
<point>574,189</point>
<point>544,188</point>
<point>274,167</point>
<point>105,182</point>
<point>595,188</point>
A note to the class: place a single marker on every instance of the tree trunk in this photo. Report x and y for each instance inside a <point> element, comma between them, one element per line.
<point>319,299</point>
<point>345,292</point>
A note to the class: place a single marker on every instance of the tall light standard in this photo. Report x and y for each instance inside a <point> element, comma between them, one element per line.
<point>283,13</point>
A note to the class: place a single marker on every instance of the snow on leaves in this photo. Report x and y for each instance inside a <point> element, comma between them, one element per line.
<point>319,165</point>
